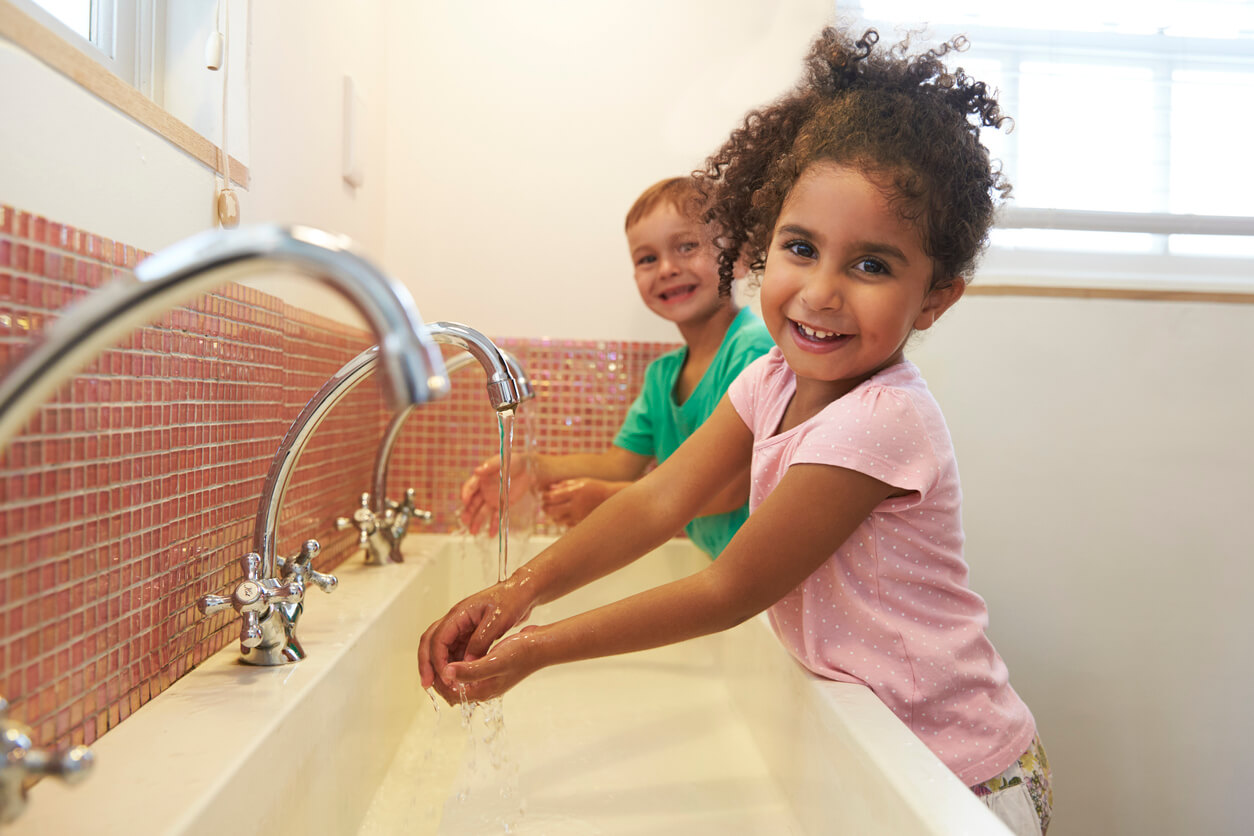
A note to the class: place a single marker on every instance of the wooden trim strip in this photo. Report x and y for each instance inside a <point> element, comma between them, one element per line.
<point>46,46</point>
<point>1133,294</point>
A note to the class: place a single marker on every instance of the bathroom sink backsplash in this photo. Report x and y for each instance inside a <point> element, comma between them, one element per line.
<point>134,491</point>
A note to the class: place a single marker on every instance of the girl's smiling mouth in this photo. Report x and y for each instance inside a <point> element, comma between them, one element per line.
<point>815,339</point>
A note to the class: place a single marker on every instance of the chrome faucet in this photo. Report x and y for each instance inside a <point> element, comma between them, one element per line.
<point>383,458</point>
<point>269,604</point>
<point>381,523</point>
<point>183,271</point>
<point>21,761</point>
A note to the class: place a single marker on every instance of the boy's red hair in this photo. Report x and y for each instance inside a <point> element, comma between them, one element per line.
<point>679,192</point>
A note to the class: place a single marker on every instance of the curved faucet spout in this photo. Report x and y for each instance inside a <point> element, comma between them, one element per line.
<point>507,383</point>
<point>507,386</point>
<point>180,273</point>
<point>383,458</point>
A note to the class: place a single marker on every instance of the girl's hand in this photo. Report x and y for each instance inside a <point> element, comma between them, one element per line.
<point>482,491</point>
<point>467,631</point>
<point>569,501</point>
<point>507,664</point>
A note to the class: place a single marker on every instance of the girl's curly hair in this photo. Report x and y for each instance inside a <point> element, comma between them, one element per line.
<point>902,120</point>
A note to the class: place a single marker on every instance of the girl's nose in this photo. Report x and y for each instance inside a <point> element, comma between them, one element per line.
<point>668,265</point>
<point>822,293</point>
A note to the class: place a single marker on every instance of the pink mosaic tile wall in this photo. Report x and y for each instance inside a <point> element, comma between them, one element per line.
<point>134,490</point>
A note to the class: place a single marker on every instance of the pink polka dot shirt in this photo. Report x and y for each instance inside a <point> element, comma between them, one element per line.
<point>891,609</point>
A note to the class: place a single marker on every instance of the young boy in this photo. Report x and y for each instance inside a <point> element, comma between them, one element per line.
<point>677,276</point>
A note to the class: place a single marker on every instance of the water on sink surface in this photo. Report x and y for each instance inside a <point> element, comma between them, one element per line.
<point>642,743</point>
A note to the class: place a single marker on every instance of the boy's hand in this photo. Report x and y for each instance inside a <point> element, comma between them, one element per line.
<point>481,493</point>
<point>467,631</point>
<point>569,501</point>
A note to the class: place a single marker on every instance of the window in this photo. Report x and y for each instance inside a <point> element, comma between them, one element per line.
<point>157,49</point>
<point>1132,121</point>
<point>120,35</point>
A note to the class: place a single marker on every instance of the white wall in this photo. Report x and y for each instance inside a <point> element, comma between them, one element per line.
<point>1108,476</point>
<point>520,133</point>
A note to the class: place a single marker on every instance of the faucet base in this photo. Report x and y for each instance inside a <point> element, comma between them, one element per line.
<point>279,645</point>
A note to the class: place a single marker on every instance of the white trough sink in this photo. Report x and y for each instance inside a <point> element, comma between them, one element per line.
<point>725,734</point>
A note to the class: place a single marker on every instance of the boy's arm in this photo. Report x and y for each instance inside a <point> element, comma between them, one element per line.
<point>733,496</point>
<point>614,464</point>
<point>634,521</point>
<point>480,493</point>
<point>812,511</point>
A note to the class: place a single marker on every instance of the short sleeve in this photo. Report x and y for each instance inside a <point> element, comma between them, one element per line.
<point>878,431</point>
<point>636,435</point>
<point>744,391</point>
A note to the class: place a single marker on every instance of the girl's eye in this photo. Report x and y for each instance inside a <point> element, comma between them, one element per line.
<point>801,248</point>
<point>687,247</point>
<point>872,265</point>
<point>645,259</point>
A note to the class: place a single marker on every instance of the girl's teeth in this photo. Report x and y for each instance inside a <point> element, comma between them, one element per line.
<point>819,335</point>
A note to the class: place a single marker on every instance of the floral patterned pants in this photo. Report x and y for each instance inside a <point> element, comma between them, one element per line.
<point>1021,796</point>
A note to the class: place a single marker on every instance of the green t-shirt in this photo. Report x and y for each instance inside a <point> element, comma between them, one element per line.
<point>656,425</point>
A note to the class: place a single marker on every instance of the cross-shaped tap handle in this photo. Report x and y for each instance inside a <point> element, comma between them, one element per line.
<point>301,568</point>
<point>20,761</point>
<point>363,519</point>
<point>252,598</point>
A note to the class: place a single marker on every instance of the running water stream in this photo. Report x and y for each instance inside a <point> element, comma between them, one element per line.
<point>505,419</point>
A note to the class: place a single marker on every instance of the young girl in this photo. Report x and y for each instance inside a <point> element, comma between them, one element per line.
<point>863,198</point>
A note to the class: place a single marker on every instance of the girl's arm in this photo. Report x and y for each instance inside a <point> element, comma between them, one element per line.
<point>632,522</point>
<point>812,511</point>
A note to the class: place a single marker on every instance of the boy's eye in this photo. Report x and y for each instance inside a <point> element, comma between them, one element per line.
<point>688,247</point>
<point>645,259</point>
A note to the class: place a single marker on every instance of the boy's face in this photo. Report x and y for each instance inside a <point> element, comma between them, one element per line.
<point>676,267</point>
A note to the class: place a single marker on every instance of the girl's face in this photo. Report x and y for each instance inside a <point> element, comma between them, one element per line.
<point>846,280</point>
<point>676,268</point>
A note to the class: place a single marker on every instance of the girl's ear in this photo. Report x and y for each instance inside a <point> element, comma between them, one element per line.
<point>938,301</point>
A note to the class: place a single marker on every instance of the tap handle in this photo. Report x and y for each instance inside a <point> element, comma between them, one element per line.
<point>301,567</point>
<point>250,629</point>
<point>406,507</point>
<point>251,598</point>
<point>213,604</point>
<point>406,504</point>
<point>20,760</point>
<point>363,519</point>
<point>70,765</point>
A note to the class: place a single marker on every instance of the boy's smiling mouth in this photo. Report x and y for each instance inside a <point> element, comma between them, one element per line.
<point>674,294</point>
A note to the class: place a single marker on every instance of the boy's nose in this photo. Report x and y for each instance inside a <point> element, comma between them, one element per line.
<point>668,265</point>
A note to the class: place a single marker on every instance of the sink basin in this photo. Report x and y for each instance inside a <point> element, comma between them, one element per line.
<point>725,734</point>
